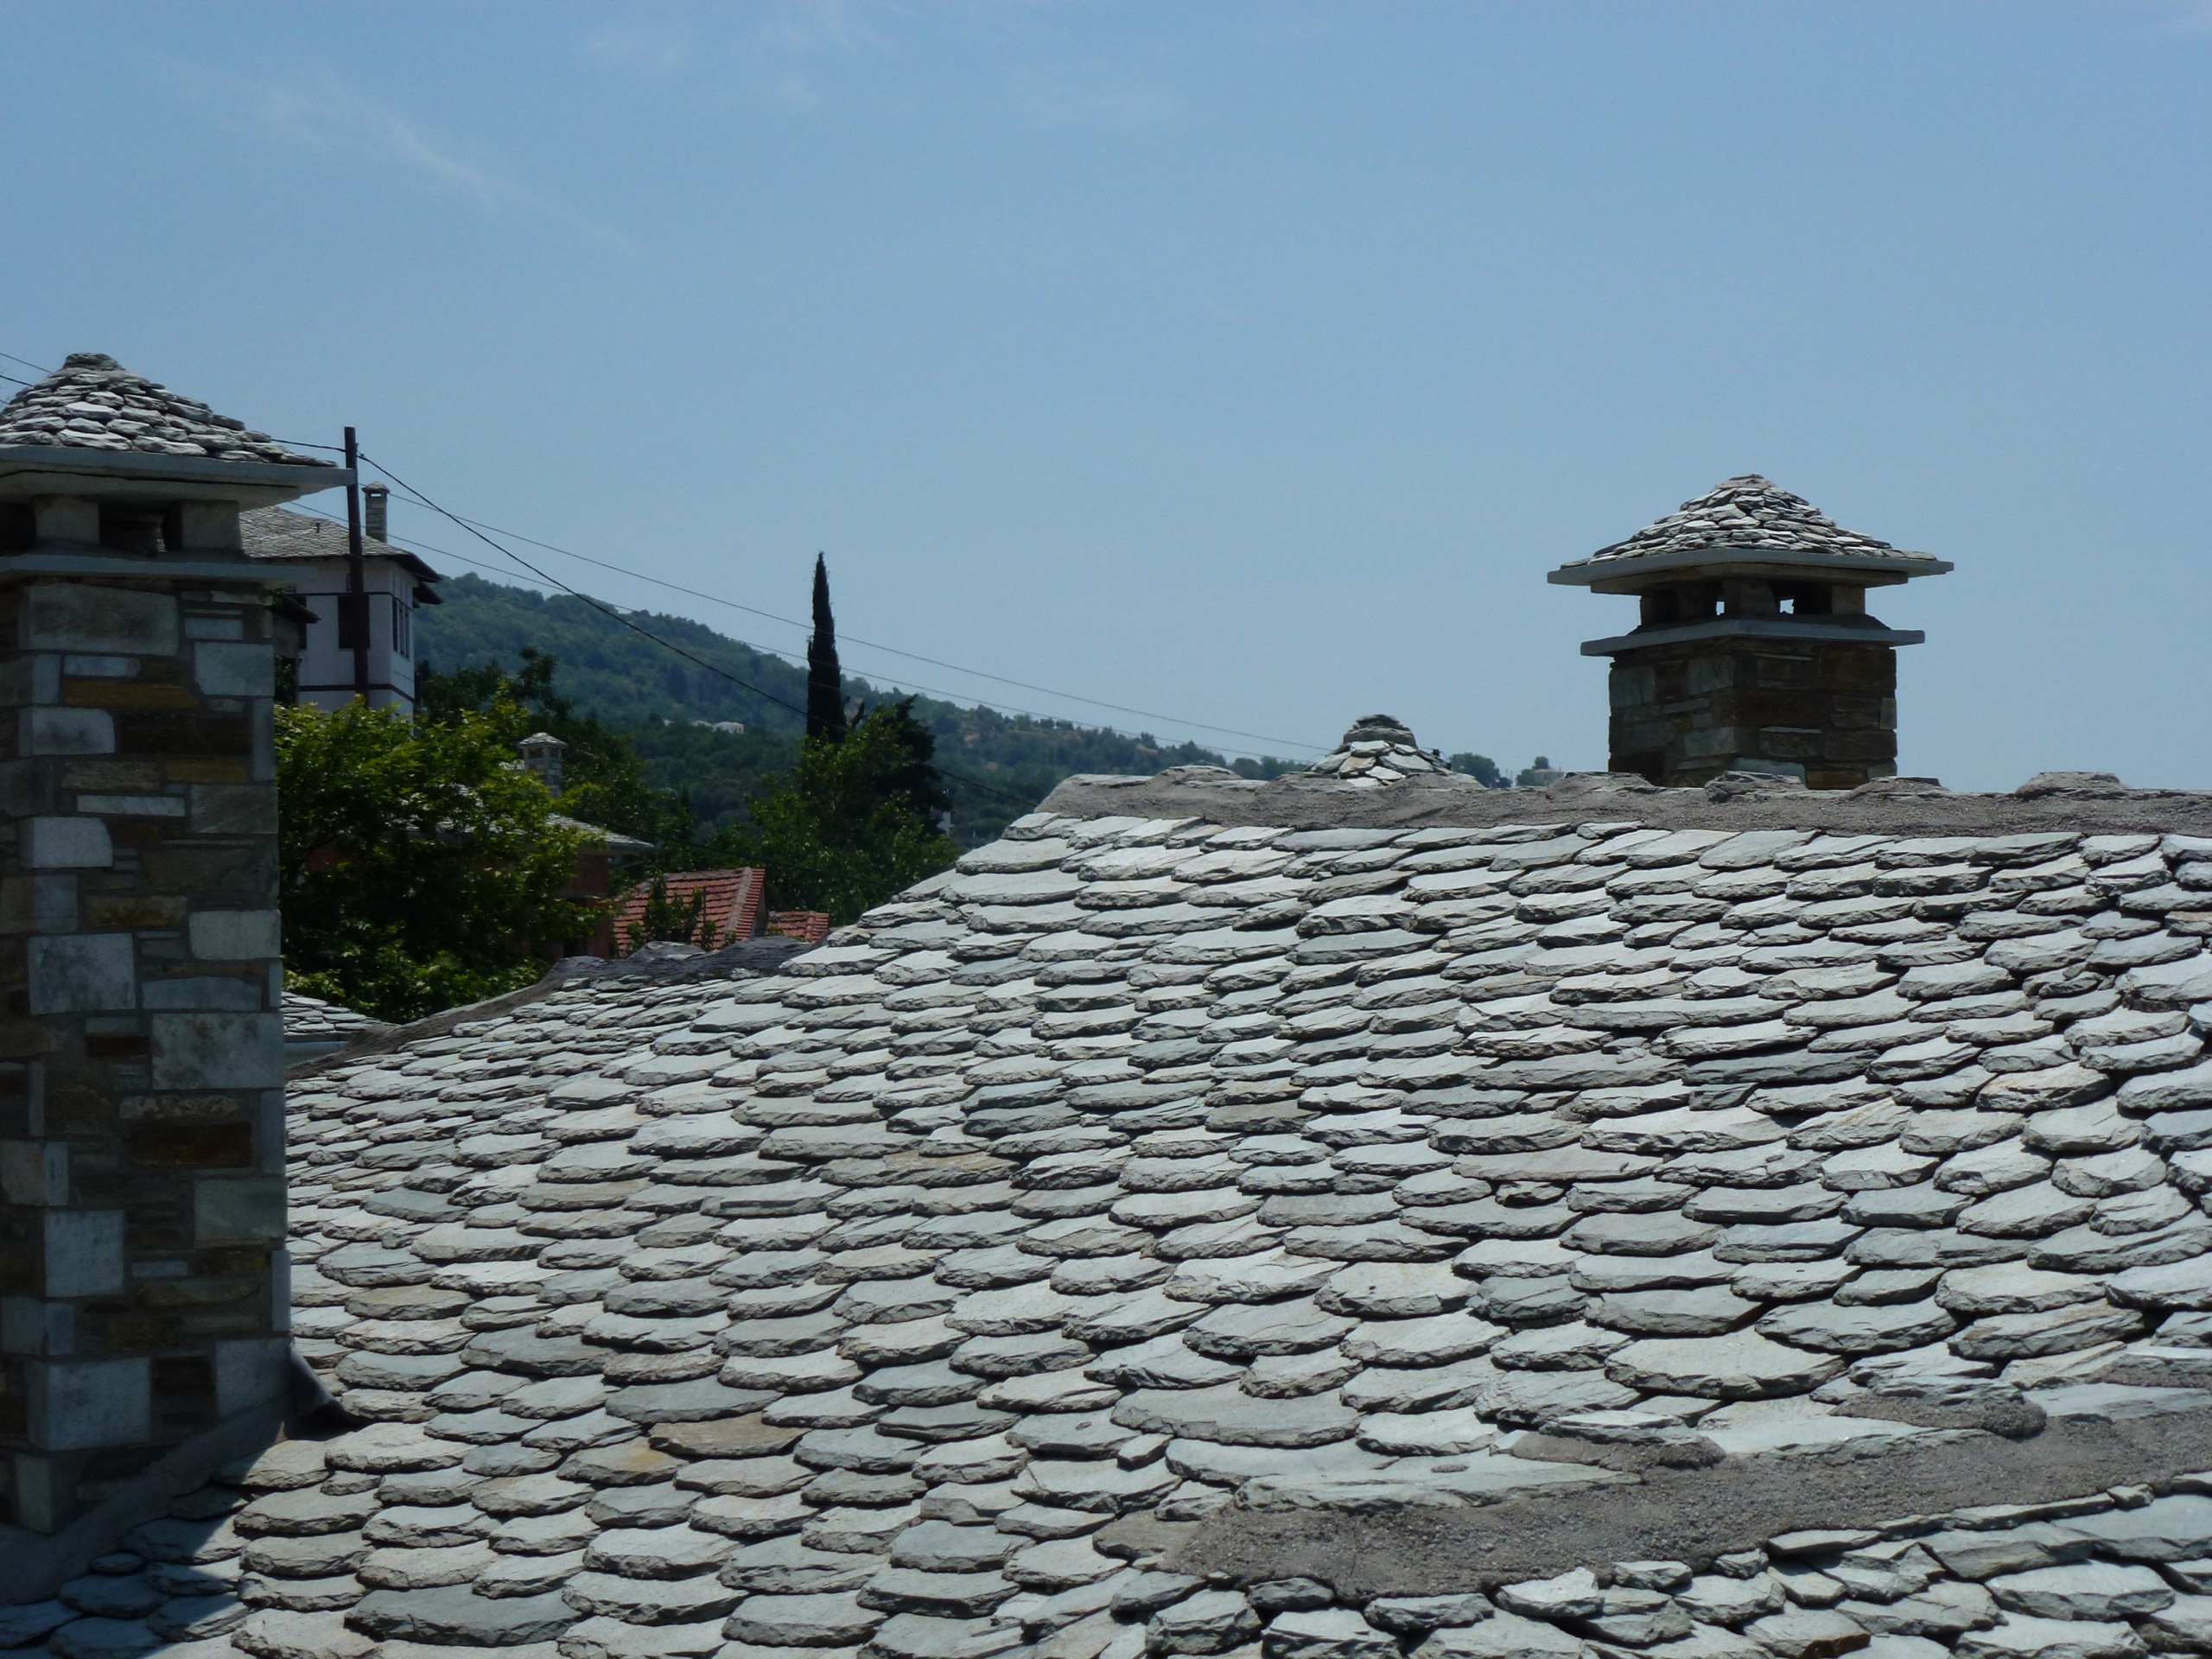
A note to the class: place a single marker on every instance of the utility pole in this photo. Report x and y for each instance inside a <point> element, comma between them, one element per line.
<point>354,608</point>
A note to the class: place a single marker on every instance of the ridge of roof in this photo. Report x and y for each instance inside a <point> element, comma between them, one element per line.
<point>1753,514</point>
<point>2073,802</point>
<point>91,401</point>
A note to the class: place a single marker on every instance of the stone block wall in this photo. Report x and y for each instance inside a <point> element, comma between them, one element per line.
<point>1824,713</point>
<point>143,1282</point>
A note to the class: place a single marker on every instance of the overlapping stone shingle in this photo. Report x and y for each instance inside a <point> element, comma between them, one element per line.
<point>91,401</point>
<point>920,1295</point>
<point>1748,514</point>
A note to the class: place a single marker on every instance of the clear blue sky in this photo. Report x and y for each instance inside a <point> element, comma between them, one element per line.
<point>1249,363</point>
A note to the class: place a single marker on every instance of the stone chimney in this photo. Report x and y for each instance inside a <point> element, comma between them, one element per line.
<point>541,754</point>
<point>144,1295</point>
<point>1753,650</point>
<point>376,512</point>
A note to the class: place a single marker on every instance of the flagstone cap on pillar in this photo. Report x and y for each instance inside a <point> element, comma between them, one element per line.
<point>1749,558</point>
<point>93,418</point>
<point>1744,524</point>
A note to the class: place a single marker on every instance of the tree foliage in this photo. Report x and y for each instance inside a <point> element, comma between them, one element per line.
<point>683,920</point>
<point>851,826</point>
<point>995,765</point>
<point>1480,767</point>
<point>825,682</point>
<point>603,779</point>
<point>420,868</point>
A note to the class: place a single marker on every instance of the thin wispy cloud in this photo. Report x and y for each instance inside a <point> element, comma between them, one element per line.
<point>794,91</point>
<point>319,111</point>
<point>638,47</point>
<point>2182,17</point>
<point>813,26</point>
<point>1216,310</point>
<point>1104,95</point>
<point>797,43</point>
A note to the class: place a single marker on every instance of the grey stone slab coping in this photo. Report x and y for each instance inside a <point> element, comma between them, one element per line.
<point>1898,1486</point>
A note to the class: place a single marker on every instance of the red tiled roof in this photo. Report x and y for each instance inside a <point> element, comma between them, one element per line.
<point>812,925</point>
<point>733,902</point>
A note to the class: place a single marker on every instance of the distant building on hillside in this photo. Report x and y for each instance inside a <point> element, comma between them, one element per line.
<point>394,582</point>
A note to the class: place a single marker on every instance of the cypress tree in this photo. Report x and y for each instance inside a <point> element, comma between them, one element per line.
<point>825,686</point>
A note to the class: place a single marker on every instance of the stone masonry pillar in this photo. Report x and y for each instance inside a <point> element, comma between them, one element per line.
<point>1816,710</point>
<point>143,1283</point>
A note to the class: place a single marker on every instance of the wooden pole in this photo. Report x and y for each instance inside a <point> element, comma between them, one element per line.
<point>356,603</point>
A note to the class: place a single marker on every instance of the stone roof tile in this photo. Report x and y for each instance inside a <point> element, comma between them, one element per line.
<point>91,401</point>
<point>1018,1273</point>
<point>1750,514</point>
<point>289,538</point>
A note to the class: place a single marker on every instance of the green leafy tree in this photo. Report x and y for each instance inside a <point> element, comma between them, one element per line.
<point>1480,767</point>
<point>681,919</point>
<point>420,868</point>
<point>1527,778</point>
<point>996,766</point>
<point>849,828</point>
<point>603,781</point>
<point>825,683</point>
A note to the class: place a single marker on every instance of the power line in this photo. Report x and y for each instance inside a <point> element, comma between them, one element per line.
<point>854,638</point>
<point>798,659</point>
<point>476,526</point>
<point>795,657</point>
<point>665,644</point>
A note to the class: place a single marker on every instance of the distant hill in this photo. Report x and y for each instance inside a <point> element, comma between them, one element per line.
<point>997,766</point>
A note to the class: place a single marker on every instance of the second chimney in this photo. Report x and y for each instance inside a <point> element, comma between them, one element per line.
<point>375,504</point>
<point>1754,652</point>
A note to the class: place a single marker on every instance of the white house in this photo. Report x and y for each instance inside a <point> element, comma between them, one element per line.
<point>394,582</point>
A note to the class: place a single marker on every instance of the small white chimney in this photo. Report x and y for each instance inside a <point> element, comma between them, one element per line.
<point>541,754</point>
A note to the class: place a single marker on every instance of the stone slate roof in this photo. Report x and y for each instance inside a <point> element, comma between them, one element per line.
<point>1750,514</point>
<point>309,1019</point>
<point>1522,1241</point>
<point>287,536</point>
<point>91,401</point>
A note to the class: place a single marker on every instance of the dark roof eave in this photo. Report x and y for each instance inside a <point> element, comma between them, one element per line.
<point>51,468</point>
<point>1627,575</point>
<point>1812,630</point>
<point>384,551</point>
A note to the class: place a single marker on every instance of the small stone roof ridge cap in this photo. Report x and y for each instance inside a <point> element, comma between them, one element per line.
<point>91,401</point>
<point>1378,750</point>
<point>1749,515</point>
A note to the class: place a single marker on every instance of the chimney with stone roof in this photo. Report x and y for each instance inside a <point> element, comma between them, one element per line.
<point>376,512</point>
<point>1753,650</point>
<point>144,1296</point>
<point>542,754</point>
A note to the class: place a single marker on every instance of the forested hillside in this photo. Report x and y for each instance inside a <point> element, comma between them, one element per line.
<point>996,766</point>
